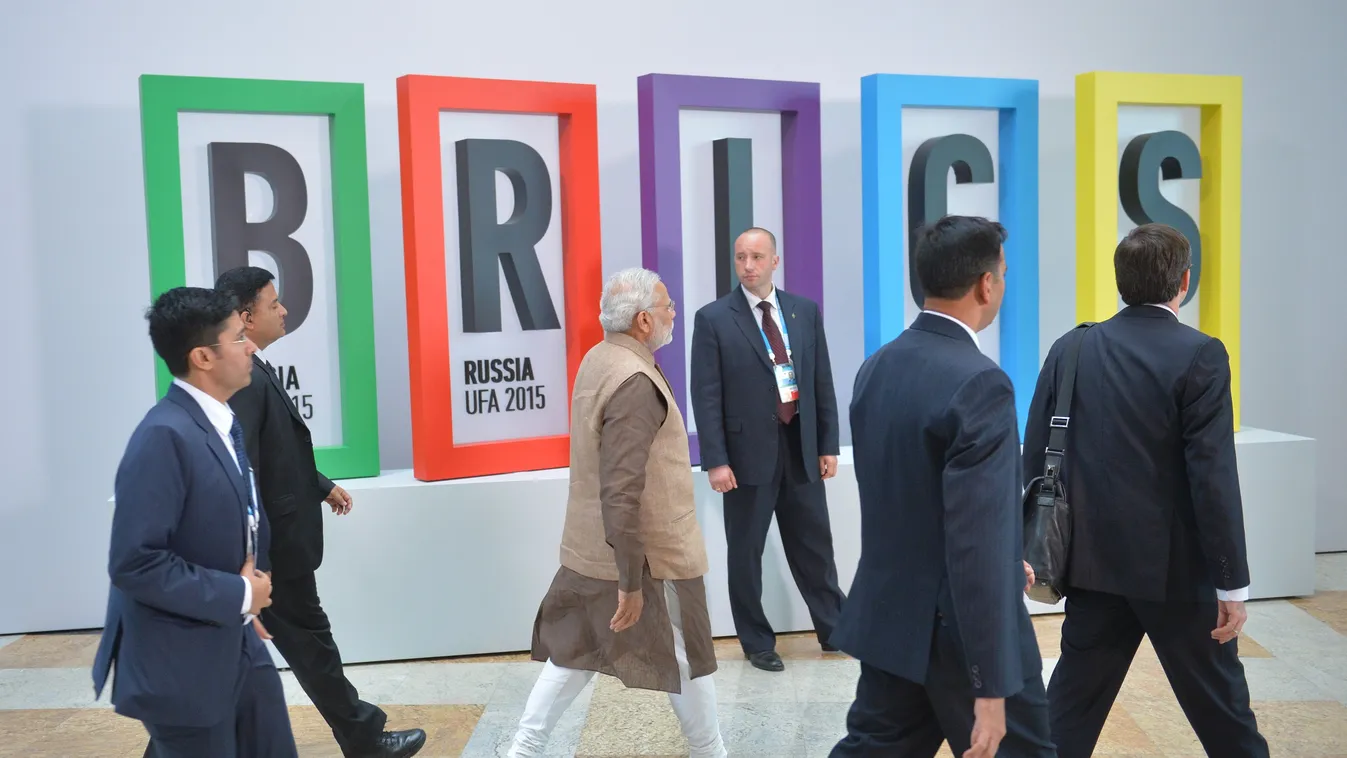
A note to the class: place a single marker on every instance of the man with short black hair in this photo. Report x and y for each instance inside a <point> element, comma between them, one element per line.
<point>293,490</point>
<point>188,555</point>
<point>936,613</point>
<point>1157,543</point>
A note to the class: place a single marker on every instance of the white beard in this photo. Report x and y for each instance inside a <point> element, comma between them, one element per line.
<point>658,340</point>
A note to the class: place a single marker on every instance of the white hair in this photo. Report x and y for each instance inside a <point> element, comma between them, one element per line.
<point>625,294</point>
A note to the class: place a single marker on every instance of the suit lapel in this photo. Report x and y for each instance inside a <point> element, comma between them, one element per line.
<point>796,329</point>
<point>748,324</point>
<point>276,384</point>
<point>215,443</point>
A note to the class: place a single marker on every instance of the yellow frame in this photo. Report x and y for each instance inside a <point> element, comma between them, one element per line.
<point>1098,95</point>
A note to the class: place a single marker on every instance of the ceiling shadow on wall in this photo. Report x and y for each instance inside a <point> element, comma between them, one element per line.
<point>388,273</point>
<point>85,190</point>
<point>843,270</point>
<point>1056,220</point>
<point>620,188</point>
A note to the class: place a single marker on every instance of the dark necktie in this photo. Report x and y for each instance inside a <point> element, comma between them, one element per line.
<point>245,468</point>
<point>784,411</point>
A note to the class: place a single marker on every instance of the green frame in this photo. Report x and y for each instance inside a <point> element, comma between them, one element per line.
<point>162,98</point>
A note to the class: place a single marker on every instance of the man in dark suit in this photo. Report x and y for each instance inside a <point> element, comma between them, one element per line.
<point>188,554</point>
<point>766,414</point>
<point>936,614</point>
<point>280,446</point>
<point>1158,540</point>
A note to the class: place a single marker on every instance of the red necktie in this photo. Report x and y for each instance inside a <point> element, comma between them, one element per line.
<point>784,411</point>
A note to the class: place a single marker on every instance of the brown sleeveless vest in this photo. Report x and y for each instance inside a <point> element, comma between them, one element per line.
<point>673,539</point>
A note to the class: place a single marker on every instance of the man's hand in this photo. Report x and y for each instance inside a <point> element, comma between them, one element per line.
<point>261,586</point>
<point>827,466</point>
<point>722,479</point>
<point>989,726</point>
<point>261,630</point>
<point>1028,577</point>
<point>340,500</point>
<point>629,605</point>
<point>1230,618</point>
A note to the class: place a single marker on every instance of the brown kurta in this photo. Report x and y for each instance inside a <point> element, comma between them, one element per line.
<point>572,623</point>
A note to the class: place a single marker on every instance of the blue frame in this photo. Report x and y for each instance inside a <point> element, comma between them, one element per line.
<point>883,97</point>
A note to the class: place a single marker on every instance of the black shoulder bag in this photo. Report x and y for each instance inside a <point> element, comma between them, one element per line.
<point>1047,532</point>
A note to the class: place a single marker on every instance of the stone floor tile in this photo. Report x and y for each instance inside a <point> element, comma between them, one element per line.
<point>52,650</point>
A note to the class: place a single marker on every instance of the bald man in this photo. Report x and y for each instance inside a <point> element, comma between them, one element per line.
<point>766,413</point>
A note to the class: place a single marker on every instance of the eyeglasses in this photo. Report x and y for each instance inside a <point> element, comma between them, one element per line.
<point>230,342</point>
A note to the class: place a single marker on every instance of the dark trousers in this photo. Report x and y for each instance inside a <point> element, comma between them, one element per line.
<point>301,632</point>
<point>259,727</point>
<point>1100,636</point>
<point>893,717</point>
<point>801,509</point>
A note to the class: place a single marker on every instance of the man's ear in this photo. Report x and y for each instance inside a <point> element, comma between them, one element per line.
<point>984,288</point>
<point>199,358</point>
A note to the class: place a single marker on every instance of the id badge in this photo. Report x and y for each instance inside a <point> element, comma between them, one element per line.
<point>785,383</point>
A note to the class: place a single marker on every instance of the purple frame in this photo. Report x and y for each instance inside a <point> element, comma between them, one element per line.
<point>660,97</point>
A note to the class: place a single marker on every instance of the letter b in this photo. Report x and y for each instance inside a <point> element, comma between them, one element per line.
<point>234,236</point>
<point>483,241</point>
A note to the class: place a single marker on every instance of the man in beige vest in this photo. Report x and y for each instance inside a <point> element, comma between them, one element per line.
<point>628,600</point>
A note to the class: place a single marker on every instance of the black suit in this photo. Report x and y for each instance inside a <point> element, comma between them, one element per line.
<point>281,450</point>
<point>936,612</point>
<point>776,465</point>
<point>1158,525</point>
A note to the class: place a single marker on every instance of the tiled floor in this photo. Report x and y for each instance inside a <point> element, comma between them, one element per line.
<point>1294,654</point>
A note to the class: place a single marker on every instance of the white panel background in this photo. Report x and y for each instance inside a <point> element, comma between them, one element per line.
<point>697,130</point>
<point>313,349</point>
<point>921,124</point>
<point>546,348</point>
<point>1185,193</point>
<point>72,204</point>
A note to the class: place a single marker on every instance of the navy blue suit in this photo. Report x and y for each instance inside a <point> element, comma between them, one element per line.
<point>936,611</point>
<point>187,666</point>
<point>776,465</point>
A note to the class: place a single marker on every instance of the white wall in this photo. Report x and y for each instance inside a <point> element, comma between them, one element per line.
<point>72,213</point>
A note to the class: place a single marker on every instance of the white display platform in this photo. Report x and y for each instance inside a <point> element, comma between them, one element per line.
<point>438,569</point>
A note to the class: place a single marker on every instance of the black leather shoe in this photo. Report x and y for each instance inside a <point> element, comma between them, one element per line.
<point>402,744</point>
<point>768,661</point>
<point>829,648</point>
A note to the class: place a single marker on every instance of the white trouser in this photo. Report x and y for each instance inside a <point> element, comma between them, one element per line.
<point>557,687</point>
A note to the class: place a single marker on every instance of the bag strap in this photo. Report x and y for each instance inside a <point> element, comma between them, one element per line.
<point>1061,419</point>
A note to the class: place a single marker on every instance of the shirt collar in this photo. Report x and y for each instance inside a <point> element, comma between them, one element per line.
<point>220,415</point>
<point>1165,306</point>
<point>966,327</point>
<point>753,299</point>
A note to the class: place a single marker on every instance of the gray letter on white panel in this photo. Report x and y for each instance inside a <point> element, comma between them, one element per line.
<point>482,241</point>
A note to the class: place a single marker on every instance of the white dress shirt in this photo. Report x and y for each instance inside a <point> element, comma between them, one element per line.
<point>966,327</point>
<point>753,301</point>
<point>221,416</point>
<point>1241,594</point>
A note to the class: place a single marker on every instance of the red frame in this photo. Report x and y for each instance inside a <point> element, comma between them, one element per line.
<point>420,101</point>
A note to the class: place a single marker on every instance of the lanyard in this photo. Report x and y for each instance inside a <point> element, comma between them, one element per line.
<point>781,327</point>
<point>252,515</point>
